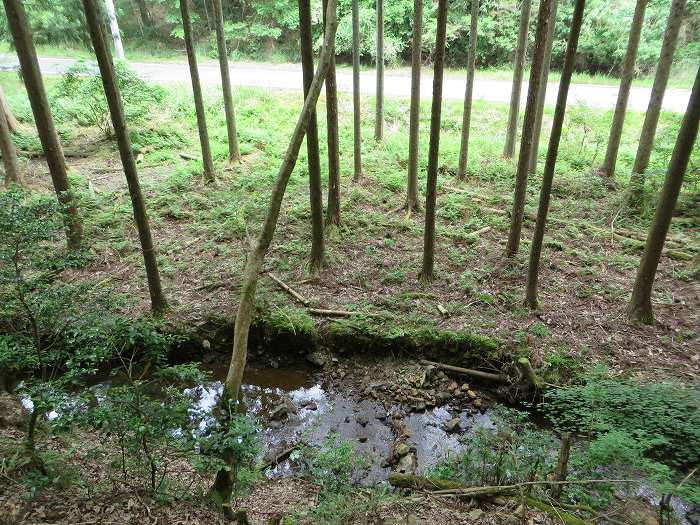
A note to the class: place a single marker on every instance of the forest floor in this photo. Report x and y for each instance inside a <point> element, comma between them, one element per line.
<point>592,246</point>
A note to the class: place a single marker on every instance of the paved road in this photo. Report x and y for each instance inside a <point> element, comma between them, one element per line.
<point>288,77</point>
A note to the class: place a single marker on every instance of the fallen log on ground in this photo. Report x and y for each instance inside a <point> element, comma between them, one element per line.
<point>412,481</point>
<point>291,291</point>
<point>467,371</point>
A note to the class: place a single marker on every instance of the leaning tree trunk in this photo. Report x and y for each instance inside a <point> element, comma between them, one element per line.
<point>466,116</point>
<point>114,27</point>
<point>626,77</point>
<point>537,130</point>
<point>9,153</point>
<point>315,191</point>
<point>428,270</point>
<point>412,200</point>
<point>640,302</point>
<point>552,152</point>
<point>116,109</point>
<point>518,66</point>
<point>22,37</point>
<point>246,306</point>
<point>234,152</point>
<point>663,70</point>
<point>379,117</point>
<point>356,112</point>
<point>543,22</point>
<point>197,93</point>
<point>12,122</point>
<point>146,19</point>
<point>333,208</point>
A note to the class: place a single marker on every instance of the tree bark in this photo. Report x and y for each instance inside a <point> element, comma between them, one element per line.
<point>357,114</point>
<point>466,115</point>
<point>518,67</point>
<point>234,153</point>
<point>651,119</point>
<point>197,93</point>
<point>412,200</point>
<point>9,152</point>
<point>246,306</point>
<point>552,153</point>
<point>562,465</point>
<point>333,208</point>
<point>543,88</point>
<point>626,78</point>
<point>543,21</point>
<point>116,109</point>
<point>114,27</point>
<point>640,302</point>
<point>427,272</point>
<point>145,13</point>
<point>12,122</point>
<point>312,153</point>
<point>379,118</point>
<point>31,74</point>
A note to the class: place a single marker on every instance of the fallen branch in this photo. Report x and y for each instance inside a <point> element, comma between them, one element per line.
<point>501,489</point>
<point>467,371</point>
<point>280,456</point>
<point>411,481</point>
<point>338,313</point>
<point>187,156</point>
<point>566,517</point>
<point>303,300</point>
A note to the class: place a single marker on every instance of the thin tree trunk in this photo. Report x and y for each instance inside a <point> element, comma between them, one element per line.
<point>651,119</point>
<point>9,153</point>
<point>552,152</point>
<point>640,302</point>
<point>197,93</point>
<point>116,109</point>
<point>379,118</point>
<point>234,153</point>
<point>466,115</point>
<point>518,67</point>
<point>543,88</point>
<point>31,74</point>
<point>412,200</point>
<point>246,307</point>
<point>428,270</point>
<point>114,27</point>
<point>315,191</point>
<point>543,21</point>
<point>333,208</point>
<point>357,114</point>
<point>145,14</point>
<point>626,78</point>
<point>206,14</point>
<point>12,122</point>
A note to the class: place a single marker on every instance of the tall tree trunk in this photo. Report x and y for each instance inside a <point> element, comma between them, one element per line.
<point>145,13</point>
<point>9,153</point>
<point>114,27</point>
<point>116,109</point>
<point>22,37</point>
<point>518,67</point>
<point>333,209</point>
<point>537,130</point>
<point>412,200</point>
<point>246,306</point>
<point>197,93</point>
<point>234,153</point>
<point>640,302</point>
<point>626,77</point>
<point>428,270</point>
<point>466,115</point>
<point>315,191</point>
<point>12,123</point>
<point>651,119</point>
<point>357,114</point>
<point>552,152</point>
<point>543,21</point>
<point>206,14</point>
<point>379,118</point>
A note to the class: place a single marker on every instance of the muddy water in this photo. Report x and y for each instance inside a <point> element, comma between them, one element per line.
<point>323,410</point>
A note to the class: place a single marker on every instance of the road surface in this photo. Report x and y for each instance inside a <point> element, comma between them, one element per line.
<point>288,77</point>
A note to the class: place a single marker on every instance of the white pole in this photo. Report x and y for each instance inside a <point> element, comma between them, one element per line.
<point>114,27</point>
